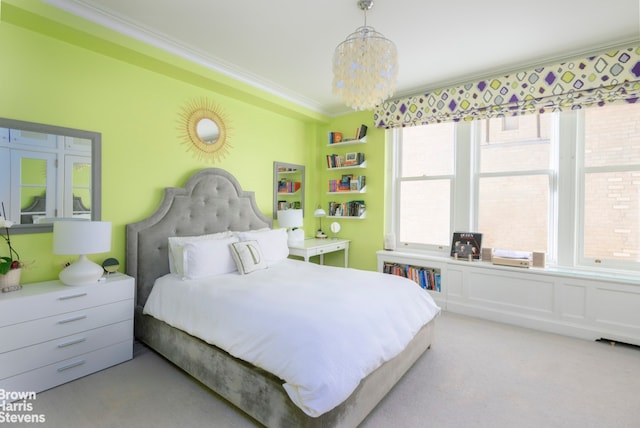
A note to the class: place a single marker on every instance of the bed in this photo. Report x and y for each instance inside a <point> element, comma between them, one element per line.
<point>213,202</point>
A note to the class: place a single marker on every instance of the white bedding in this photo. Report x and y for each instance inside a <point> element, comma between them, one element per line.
<point>319,328</point>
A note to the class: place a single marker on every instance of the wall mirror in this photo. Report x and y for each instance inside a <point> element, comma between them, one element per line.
<point>288,187</point>
<point>47,173</point>
<point>204,130</point>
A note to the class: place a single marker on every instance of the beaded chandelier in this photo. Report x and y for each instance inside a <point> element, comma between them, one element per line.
<point>365,66</point>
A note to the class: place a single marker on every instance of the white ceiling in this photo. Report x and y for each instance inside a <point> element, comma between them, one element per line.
<point>286,46</point>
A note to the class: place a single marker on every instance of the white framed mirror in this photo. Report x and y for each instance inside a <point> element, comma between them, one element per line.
<point>52,172</point>
<point>288,187</point>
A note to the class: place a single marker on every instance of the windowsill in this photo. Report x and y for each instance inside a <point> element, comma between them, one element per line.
<point>607,274</point>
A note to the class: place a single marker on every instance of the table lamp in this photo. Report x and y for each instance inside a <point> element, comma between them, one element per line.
<point>292,219</point>
<point>81,238</point>
<point>319,212</point>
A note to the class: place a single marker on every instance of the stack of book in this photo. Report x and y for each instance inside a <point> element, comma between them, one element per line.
<point>339,161</point>
<point>347,209</point>
<point>429,279</point>
<point>286,186</point>
<point>348,183</point>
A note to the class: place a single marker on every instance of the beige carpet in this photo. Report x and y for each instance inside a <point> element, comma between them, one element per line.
<point>477,374</point>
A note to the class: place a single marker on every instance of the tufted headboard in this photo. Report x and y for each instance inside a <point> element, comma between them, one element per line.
<point>211,201</point>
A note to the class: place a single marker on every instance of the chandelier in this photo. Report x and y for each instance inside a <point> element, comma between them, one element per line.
<point>365,66</point>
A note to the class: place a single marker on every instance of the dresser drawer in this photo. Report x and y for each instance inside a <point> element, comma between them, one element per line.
<point>44,329</point>
<point>327,249</point>
<point>64,371</point>
<point>51,298</point>
<point>40,355</point>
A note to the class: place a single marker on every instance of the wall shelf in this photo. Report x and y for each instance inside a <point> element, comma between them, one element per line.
<point>362,165</point>
<point>349,142</point>
<point>349,192</point>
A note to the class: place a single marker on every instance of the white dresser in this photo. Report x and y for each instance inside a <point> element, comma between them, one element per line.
<point>51,333</point>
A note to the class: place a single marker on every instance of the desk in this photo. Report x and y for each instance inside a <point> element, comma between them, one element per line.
<point>319,247</point>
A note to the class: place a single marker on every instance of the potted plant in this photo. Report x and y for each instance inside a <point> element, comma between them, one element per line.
<point>10,266</point>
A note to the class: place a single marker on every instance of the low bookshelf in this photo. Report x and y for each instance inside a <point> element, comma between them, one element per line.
<point>426,273</point>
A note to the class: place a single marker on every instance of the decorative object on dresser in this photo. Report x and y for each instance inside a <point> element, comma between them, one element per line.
<point>78,237</point>
<point>319,213</point>
<point>110,265</point>
<point>205,130</point>
<point>292,220</point>
<point>53,334</point>
<point>10,266</point>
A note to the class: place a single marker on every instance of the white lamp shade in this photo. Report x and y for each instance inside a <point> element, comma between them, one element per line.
<point>81,237</point>
<point>290,218</point>
<point>319,213</point>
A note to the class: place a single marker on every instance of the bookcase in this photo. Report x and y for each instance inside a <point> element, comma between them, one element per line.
<point>347,180</point>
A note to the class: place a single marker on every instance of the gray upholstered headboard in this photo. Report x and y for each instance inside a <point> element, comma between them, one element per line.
<point>211,201</point>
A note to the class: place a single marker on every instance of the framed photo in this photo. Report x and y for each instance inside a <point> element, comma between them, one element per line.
<point>465,244</point>
<point>351,159</point>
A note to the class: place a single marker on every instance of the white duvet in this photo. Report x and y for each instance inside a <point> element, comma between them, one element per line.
<point>321,329</point>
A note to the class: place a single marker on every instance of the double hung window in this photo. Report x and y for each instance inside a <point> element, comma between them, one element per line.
<point>567,184</point>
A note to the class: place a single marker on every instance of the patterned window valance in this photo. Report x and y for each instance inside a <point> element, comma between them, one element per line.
<point>596,80</point>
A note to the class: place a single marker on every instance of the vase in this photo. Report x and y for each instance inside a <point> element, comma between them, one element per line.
<point>11,280</point>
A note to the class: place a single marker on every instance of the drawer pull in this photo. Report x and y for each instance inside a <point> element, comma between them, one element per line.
<point>72,342</point>
<point>72,365</point>
<point>72,319</point>
<point>72,296</point>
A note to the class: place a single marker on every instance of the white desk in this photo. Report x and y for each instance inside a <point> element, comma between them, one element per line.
<point>319,247</point>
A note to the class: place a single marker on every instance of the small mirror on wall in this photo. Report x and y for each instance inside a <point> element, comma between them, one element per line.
<point>288,187</point>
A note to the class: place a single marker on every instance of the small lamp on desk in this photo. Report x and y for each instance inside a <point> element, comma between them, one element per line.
<point>319,212</point>
<point>81,237</point>
<point>292,219</point>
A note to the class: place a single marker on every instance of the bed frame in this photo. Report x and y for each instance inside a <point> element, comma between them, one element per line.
<point>213,201</point>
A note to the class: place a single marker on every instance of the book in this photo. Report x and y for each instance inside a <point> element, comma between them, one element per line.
<point>465,245</point>
<point>335,137</point>
<point>361,132</point>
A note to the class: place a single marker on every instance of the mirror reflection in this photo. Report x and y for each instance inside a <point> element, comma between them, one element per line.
<point>288,187</point>
<point>207,131</point>
<point>52,173</point>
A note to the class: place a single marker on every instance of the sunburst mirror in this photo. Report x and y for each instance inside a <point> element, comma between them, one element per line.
<point>205,130</point>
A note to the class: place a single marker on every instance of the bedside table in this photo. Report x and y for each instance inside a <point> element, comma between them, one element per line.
<point>319,247</point>
<point>54,333</point>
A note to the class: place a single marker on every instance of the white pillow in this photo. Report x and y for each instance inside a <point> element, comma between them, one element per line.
<point>208,258</point>
<point>177,242</point>
<point>273,243</point>
<point>248,256</point>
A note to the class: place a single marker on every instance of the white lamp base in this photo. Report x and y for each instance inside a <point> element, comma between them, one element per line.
<point>295,235</point>
<point>81,272</point>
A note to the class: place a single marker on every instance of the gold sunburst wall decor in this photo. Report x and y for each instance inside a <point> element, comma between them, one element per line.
<point>204,129</point>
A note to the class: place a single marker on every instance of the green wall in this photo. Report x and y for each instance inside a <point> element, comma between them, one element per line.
<point>367,234</point>
<point>60,70</point>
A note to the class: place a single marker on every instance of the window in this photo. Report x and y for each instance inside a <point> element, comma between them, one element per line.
<point>564,183</point>
<point>610,179</point>
<point>515,182</point>
<point>424,186</point>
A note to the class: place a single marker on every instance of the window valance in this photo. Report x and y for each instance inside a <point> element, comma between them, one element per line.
<point>596,80</point>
